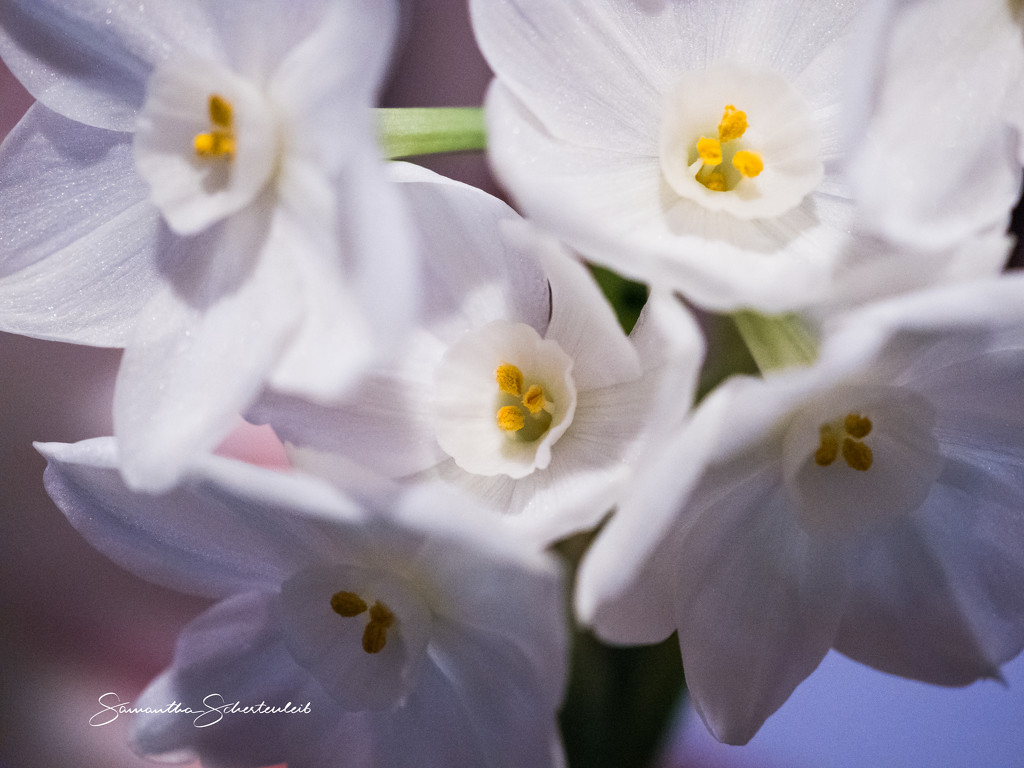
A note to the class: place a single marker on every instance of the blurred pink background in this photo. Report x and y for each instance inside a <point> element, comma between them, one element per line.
<point>75,626</point>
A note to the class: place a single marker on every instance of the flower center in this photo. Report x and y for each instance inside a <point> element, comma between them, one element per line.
<point>723,163</point>
<point>220,141</point>
<point>522,415</point>
<point>349,604</point>
<point>742,130</point>
<point>845,437</point>
<point>508,429</point>
<point>847,471</point>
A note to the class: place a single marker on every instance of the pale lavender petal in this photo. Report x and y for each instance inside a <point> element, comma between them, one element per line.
<point>89,60</point>
<point>80,239</point>
<point>199,538</point>
<point>233,653</point>
<point>198,359</point>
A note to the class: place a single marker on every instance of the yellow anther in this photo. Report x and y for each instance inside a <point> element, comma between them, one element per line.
<point>828,449</point>
<point>748,163</point>
<point>534,399</point>
<point>347,604</point>
<point>733,124</point>
<point>375,634</point>
<point>220,142</point>
<point>857,426</point>
<point>221,113</point>
<point>510,379</point>
<point>710,150</point>
<point>857,454</point>
<point>510,418</point>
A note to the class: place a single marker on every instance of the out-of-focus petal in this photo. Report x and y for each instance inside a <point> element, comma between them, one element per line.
<point>191,539</point>
<point>79,238</point>
<point>192,367</point>
<point>89,60</point>
<point>925,175</point>
<point>326,89</point>
<point>233,653</point>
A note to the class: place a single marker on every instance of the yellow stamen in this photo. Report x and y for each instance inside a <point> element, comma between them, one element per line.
<point>857,426</point>
<point>510,418</point>
<point>347,604</point>
<point>221,113</point>
<point>220,142</point>
<point>857,454</point>
<point>733,124</point>
<point>534,399</point>
<point>375,634</point>
<point>710,150</point>
<point>748,163</point>
<point>510,379</point>
<point>828,449</point>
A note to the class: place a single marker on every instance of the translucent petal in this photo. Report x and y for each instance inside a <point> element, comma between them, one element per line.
<point>80,239</point>
<point>89,60</point>
<point>189,539</point>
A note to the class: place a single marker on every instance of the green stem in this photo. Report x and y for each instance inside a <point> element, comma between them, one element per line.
<point>776,341</point>
<point>426,131</point>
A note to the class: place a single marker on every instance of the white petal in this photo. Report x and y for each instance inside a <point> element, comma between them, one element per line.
<point>584,325</point>
<point>934,599</point>
<point>519,724</point>
<point>593,71</point>
<point>89,60</point>
<point>192,539</point>
<point>759,600</point>
<point>330,77</point>
<point>334,342</point>
<point>195,363</point>
<point>926,176</point>
<point>80,239</point>
<point>386,421</point>
<point>627,580</point>
<point>616,210</point>
<point>583,77</point>
<point>478,265</point>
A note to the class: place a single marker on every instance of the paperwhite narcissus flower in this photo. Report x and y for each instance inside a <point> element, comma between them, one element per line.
<point>691,143</point>
<point>519,387</point>
<point>200,183</point>
<point>940,137</point>
<point>418,634</point>
<point>871,503</point>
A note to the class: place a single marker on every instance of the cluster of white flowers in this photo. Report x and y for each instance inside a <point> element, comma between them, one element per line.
<point>201,182</point>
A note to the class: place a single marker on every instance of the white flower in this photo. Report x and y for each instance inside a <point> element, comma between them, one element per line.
<point>940,138</point>
<point>869,503</point>
<point>691,143</point>
<point>200,183</point>
<point>417,634</point>
<point>520,386</point>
